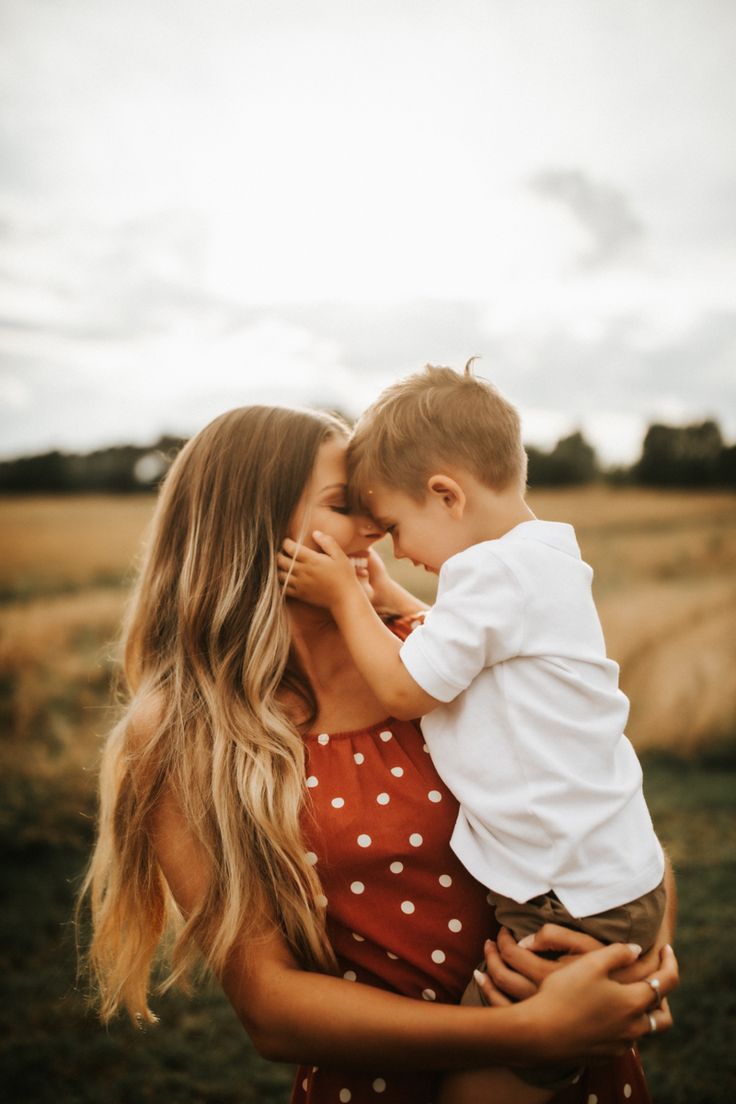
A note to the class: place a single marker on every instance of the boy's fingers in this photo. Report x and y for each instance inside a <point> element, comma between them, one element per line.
<point>327,544</point>
<point>297,553</point>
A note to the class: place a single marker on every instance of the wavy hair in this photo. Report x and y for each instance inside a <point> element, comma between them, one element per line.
<point>207,653</point>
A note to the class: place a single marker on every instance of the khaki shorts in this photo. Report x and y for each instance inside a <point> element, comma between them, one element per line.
<point>638,921</point>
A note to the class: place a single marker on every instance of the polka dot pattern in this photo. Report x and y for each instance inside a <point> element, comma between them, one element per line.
<point>401,911</point>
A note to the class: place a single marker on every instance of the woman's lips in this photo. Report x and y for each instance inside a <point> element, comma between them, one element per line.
<point>360,563</point>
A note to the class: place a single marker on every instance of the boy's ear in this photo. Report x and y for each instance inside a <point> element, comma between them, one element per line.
<point>448,491</point>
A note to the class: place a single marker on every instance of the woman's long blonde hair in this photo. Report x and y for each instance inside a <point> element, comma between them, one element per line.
<point>206,654</point>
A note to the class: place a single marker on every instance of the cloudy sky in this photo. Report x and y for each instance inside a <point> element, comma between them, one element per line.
<point>204,204</point>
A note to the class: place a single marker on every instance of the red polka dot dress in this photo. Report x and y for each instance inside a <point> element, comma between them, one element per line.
<point>402,912</point>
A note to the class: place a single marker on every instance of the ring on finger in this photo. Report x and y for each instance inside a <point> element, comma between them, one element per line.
<point>652,1023</point>
<point>654,985</point>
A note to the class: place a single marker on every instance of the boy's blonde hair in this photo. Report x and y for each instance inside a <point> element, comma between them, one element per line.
<point>434,417</point>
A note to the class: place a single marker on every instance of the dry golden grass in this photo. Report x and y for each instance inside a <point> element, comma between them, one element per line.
<point>665,584</point>
<point>49,543</point>
<point>56,665</point>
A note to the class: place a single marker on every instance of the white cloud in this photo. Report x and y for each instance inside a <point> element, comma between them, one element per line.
<point>302,201</point>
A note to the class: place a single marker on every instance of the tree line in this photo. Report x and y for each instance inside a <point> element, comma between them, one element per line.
<point>671,456</point>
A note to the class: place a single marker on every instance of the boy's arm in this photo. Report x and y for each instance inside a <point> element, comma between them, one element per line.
<point>328,579</point>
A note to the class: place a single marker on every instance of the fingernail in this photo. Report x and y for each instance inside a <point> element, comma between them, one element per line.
<point>635,948</point>
<point>527,942</point>
<point>486,945</point>
<point>479,977</point>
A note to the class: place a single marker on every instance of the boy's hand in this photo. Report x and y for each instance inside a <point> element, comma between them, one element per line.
<point>321,578</point>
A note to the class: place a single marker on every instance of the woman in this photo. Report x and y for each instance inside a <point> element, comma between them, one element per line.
<point>254,790</point>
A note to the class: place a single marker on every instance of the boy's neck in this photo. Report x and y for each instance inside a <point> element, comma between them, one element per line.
<point>495,513</point>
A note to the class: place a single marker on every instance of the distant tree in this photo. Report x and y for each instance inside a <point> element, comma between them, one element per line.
<point>727,466</point>
<point>572,461</point>
<point>119,469</point>
<point>46,472</point>
<point>682,456</point>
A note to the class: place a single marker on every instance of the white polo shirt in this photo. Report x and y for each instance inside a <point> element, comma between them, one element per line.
<point>531,738</point>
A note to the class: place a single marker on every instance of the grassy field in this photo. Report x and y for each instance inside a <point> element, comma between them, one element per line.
<point>666,589</point>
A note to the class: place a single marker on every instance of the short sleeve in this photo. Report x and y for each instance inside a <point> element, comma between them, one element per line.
<point>476,622</point>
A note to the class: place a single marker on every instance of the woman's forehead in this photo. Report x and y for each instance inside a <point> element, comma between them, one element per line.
<point>330,466</point>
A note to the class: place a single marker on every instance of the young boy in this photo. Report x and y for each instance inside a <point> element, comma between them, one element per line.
<point>520,706</point>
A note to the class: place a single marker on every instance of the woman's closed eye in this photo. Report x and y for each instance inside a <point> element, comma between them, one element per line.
<point>340,509</point>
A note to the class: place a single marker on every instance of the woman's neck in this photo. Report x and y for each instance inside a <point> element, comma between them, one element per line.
<point>344,700</point>
<point>308,623</point>
<point>313,634</point>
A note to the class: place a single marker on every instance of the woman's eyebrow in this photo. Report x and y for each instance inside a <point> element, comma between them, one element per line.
<point>334,487</point>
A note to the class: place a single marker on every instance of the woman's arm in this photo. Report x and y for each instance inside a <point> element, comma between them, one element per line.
<point>296,1016</point>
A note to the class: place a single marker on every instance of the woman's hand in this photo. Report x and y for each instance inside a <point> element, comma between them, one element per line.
<point>516,970</point>
<point>581,1012</point>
